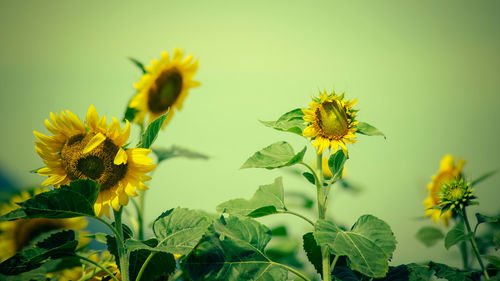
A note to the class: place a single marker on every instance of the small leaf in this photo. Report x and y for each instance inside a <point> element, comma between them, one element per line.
<point>179,230</point>
<point>130,113</point>
<point>483,177</point>
<point>336,164</point>
<point>368,246</point>
<point>369,130</point>
<point>99,237</point>
<point>233,250</point>
<point>175,151</point>
<point>429,235</point>
<point>268,199</point>
<point>58,244</point>
<point>484,218</point>
<point>139,64</point>
<point>279,231</point>
<point>495,261</point>
<point>277,155</point>
<point>455,235</point>
<point>309,177</point>
<point>75,200</point>
<point>289,122</point>
<point>151,132</point>
<point>419,272</point>
<point>448,273</point>
<point>496,240</point>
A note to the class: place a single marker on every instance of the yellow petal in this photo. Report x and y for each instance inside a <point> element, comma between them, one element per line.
<point>344,148</point>
<point>53,180</point>
<point>115,203</point>
<point>121,157</point>
<point>92,118</point>
<point>447,163</point>
<point>94,142</point>
<point>309,132</point>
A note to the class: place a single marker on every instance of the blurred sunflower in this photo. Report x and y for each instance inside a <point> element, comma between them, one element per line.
<point>96,152</point>
<point>17,234</point>
<point>164,87</point>
<point>448,171</point>
<point>332,122</point>
<point>90,274</point>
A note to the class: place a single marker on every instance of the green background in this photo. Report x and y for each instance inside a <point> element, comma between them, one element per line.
<point>425,72</point>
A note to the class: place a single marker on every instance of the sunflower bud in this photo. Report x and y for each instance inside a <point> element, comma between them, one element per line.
<point>456,194</point>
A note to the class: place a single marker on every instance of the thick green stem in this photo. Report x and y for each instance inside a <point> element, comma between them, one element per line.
<point>122,252</point>
<point>98,265</point>
<point>473,243</point>
<point>325,254</point>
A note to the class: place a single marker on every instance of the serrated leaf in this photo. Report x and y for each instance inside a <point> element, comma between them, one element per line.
<point>277,155</point>
<point>429,235</point>
<point>291,121</point>
<point>419,272</point>
<point>483,177</point>
<point>175,151</point>
<point>233,250</point>
<point>75,200</point>
<point>336,164</point>
<point>448,272</point>
<point>161,265</point>
<point>139,64</point>
<point>455,235</point>
<point>179,230</point>
<point>368,246</point>
<point>58,244</point>
<point>313,252</point>
<point>268,199</point>
<point>149,136</point>
<point>369,130</point>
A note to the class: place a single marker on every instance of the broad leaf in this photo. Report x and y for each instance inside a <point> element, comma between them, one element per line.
<point>289,122</point>
<point>277,155</point>
<point>429,235</point>
<point>495,261</point>
<point>343,273</point>
<point>419,272</point>
<point>160,266</point>
<point>179,230</point>
<point>455,235</point>
<point>175,151</point>
<point>233,250</point>
<point>268,199</point>
<point>313,252</point>
<point>58,244</point>
<point>149,136</point>
<point>368,246</point>
<point>483,177</point>
<point>449,273</point>
<point>336,164</point>
<point>75,200</point>
<point>369,130</point>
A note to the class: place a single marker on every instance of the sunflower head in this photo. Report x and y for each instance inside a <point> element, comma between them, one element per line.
<point>164,87</point>
<point>96,151</point>
<point>456,194</point>
<point>331,122</point>
<point>17,234</point>
<point>448,171</point>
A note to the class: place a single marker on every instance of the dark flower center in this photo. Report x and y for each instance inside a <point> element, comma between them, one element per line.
<point>332,119</point>
<point>165,91</point>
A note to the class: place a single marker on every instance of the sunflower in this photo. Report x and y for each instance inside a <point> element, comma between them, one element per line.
<point>17,234</point>
<point>332,122</point>
<point>91,274</point>
<point>448,171</point>
<point>164,87</point>
<point>94,152</point>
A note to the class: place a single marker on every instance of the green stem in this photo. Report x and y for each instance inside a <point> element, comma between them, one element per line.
<point>144,265</point>
<point>98,265</point>
<point>334,262</point>
<point>140,214</point>
<point>177,275</point>
<point>298,215</point>
<point>113,229</point>
<point>122,253</point>
<point>325,254</point>
<point>465,256</point>
<point>473,243</point>
<point>302,276</point>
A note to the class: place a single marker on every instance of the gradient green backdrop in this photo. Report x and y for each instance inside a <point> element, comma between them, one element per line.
<point>427,73</point>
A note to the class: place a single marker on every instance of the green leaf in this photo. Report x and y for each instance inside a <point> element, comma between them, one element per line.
<point>495,261</point>
<point>368,246</point>
<point>419,272</point>
<point>99,237</point>
<point>483,177</point>
<point>455,235</point>
<point>160,266</point>
<point>179,229</point>
<point>344,273</point>
<point>58,244</point>
<point>279,231</point>
<point>149,136</point>
<point>336,164</point>
<point>277,155</point>
<point>175,151</point>
<point>369,130</point>
<point>268,199</point>
<point>129,114</point>
<point>289,122</point>
<point>75,200</point>
<point>484,218</point>
<point>313,251</point>
<point>496,240</point>
<point>448,272</point>
<point>309,177</point>
<point>429,235</point>
<point>233,250</point>
<point>139,64</point>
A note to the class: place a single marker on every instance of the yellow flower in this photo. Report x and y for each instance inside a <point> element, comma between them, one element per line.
<point>91,274</point>
<point>17,234</point>
<point>447,172</point>
<point>332,122</point>
<point>97,153</point>
<point>164,87</point>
